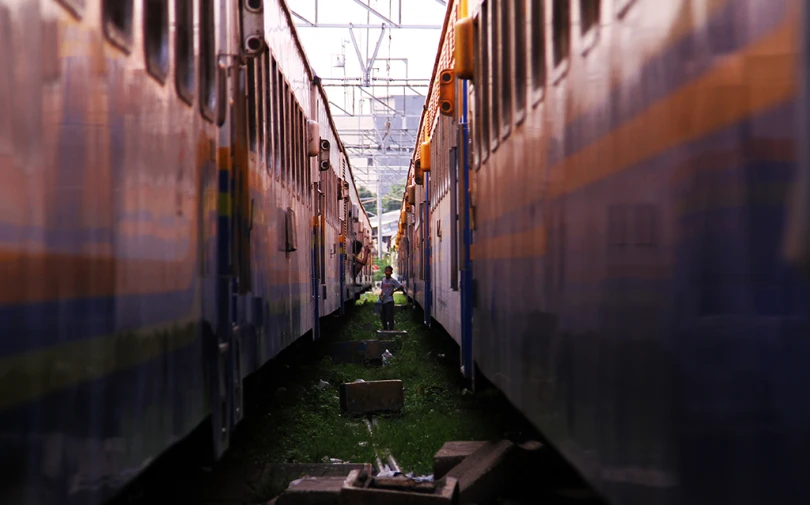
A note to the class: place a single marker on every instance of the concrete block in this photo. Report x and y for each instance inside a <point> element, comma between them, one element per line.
<point>313,491</point>
<point>484,474</point>
<point>372,396</point>
<point>452,454</point>
<point>363,489</point>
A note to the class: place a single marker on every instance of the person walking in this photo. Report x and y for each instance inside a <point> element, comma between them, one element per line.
<point>387,288</point>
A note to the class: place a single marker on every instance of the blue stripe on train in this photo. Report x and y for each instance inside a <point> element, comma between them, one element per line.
<point>54,322</point>
<point>679,63</point>
<point>83,434</point>
<point>778,122</point>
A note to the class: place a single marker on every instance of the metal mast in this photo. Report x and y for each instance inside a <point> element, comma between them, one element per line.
<point>377,106</point>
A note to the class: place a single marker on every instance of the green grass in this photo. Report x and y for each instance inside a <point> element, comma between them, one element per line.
<point>296,420</point>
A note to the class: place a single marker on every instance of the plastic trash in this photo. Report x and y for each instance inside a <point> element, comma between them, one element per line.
<point>359,380</point>
<point>386,473</point>
<point>362,444</point>
<point>441,355</point>
<point>419,478</point>
<point>322,384</point>
<point>386,357</point>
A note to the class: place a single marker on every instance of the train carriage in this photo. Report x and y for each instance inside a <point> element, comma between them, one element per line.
<point>173,202</point>
<point>630,251</point>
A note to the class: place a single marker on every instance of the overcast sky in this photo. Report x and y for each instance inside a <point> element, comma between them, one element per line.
<point>325,46</point>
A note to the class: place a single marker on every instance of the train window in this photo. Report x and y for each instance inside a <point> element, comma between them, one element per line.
<point>302,151</point>
<point>118,22</point>
<point>494,72</point>
<point>297,136</point>
<point>276,119</point>
<point>268,113</point>
<point>208,60</point>
<point>261,71</point>
<point>251,103</point>
<point>538,44</point>
<point>561,19</point>
<point>156,37</point>
<point>76,7</point>
<point>285,135</point>
<point>305,160</point>
<point>6,83</point>
<point>293,148</point>
<point>480,86</point>
<point>184,49</point>
<point>506,77</point>
<point>589,14</point>
<point>519,15</point>
<point>299,151</point>
<point>308,167</point>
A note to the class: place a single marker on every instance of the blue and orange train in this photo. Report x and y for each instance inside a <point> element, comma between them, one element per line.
<point>175,208</point>
<point>608,210</point>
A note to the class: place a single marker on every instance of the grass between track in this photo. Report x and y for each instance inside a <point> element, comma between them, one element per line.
<point>297,419</point>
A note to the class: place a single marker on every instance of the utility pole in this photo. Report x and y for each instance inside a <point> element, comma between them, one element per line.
<point>379,210</point>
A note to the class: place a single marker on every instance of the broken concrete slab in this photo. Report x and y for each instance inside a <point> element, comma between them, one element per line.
<point>362,489</point>
<point>279,475</point>
<point>372,396</point>
<point>484,474</point>
<point>452,454</point>
<point>313,491</point>
<point>292,471</point>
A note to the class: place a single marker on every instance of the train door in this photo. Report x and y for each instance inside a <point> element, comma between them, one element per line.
<point>217,86</point>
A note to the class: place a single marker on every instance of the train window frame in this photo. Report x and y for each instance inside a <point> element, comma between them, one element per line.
<point>302,128</point>
<point>277,104</point>
<point>300,152</point>
<point>250,104</point>
<point>120,36</point>
<point>297,149</point>
<point>479,89</point>
<point>74,7</point>
<point>307,169</point>
<point>181,59</point>
<point>293,134</point>
<point>494,70</point>
<point>260,111</point>
<point>207,77</point>
<point>520,61</point>
<point>563,64</point>
<point>156,43</point>
<point>506,82</point>
<point>285,135</point>
<point>589,36</point>
<point>622,7</point>
<point>268,114</point>
<point>537,53</point>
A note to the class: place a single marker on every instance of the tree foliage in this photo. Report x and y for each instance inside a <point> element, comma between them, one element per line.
<point>367,194</point>
<point>391,202</point>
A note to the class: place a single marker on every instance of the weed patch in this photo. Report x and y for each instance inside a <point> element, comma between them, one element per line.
<point>296,417</point>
